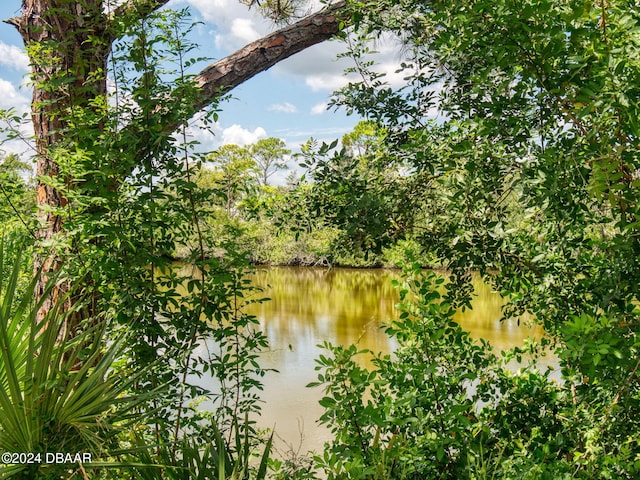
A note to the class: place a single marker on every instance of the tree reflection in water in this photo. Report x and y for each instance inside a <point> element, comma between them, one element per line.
<point>343,306</point>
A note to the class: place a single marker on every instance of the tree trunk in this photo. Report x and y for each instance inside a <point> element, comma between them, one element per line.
<point>68,43</point>
<point>65,63</point>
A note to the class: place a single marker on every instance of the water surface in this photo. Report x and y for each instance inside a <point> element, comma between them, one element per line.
<point>343,306</point>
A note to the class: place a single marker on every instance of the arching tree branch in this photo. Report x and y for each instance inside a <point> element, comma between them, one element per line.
<point>226,74</point>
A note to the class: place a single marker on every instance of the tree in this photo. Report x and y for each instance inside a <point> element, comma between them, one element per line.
<point>365,139</point>
<point>533,169</point>
<point>233,165</point>
<point>269,155</point>
<point>356,193</point>
<point>116,195</point>
<point>116,191</point>
<point>69,44</point>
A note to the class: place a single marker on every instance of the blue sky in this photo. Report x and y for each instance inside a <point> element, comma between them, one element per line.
<point>287,102</point>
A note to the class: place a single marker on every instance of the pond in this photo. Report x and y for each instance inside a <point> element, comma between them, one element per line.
<point>343,306</point>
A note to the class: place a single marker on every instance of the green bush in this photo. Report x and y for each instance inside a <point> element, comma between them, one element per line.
<point>58,393</point>
<point>446,406</point>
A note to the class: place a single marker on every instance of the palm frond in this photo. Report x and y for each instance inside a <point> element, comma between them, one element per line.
<point>49,401</point>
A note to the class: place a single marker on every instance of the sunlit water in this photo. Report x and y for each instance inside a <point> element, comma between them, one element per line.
<point>309,306</point>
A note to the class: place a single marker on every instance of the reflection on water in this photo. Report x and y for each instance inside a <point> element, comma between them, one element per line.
<point>343,306</point>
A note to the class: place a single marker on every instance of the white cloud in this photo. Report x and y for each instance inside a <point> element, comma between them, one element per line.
<point>285,107</point>
<point>235,25</point>
<point>241,33</point>
<point>244,29</point>
<point>238,135</point>
<point>317,66</point>
<point>14,57</point>
<point>218,12</point>
<point>319,108</point>
<point>10,97</point>
<point>215,135</point>
<point>23,147</point>
<point>327,82</point>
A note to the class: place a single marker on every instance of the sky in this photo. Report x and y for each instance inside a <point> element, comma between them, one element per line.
<point>289,101</point>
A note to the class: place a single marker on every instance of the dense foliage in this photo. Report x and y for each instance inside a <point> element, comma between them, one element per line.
<point>133,323</point>
<point>533,162</point>
<point>509,149</point>
<point>351,206</point>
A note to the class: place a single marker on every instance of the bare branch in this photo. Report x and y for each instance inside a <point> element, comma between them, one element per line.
<point>226,74</point>
<point>15,21</point>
